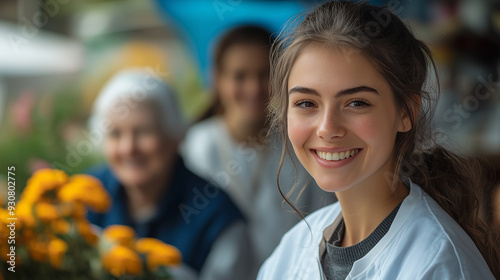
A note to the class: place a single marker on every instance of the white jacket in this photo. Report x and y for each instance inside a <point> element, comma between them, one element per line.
<point>424,242</point>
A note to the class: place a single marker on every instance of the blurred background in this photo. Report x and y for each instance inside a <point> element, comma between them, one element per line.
<point>55,55</point>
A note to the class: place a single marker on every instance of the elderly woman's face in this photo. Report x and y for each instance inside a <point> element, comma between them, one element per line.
<point>136,148</point>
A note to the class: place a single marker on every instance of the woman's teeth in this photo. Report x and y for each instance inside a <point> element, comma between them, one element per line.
<point>337,156</point>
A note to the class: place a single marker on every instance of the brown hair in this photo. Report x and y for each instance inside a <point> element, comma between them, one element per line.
<point>451,180</point>
<point>246,35</point>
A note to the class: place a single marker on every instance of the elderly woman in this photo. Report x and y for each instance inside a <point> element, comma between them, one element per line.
<point>152,190</point>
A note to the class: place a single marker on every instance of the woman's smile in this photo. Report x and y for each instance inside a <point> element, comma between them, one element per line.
<point>335,159</point>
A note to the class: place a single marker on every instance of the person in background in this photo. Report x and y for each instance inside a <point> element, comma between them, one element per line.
<point>230,147</point>
<point>152,190</point>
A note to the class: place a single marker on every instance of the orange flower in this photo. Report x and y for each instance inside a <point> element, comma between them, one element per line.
<point>24,212</point>
<point>37,249</point>
<point>42,181</point>
<point>57,249</point>
<point>25,235</point>
<point>163,258</point>
<point>85,230</point>
<point>31,194</point>
<point>79,210</point>
<point>46,212</point>
<point>120,234</point>
<point>73,209</point>
<point>146,244</point>
<point>86,189</point>
<point>4,230</point>
<point>60,226</point>
<point>4,250</point>
<point>4,215</point>
<point>49,178</point>
<point>158,253</point>
<point>121,260</point>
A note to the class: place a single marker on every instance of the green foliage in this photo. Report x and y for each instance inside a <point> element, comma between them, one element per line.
<point>41,142</point>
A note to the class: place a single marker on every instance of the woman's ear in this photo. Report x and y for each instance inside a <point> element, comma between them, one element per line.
<point>406,120</point>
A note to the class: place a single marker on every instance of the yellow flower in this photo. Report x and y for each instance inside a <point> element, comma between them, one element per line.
<point>146,244</point>
<point>85,230</point>
<point>4,230</point>
<point>37,249</point>
<point>4,215</point>
<point>86,189</point>
<point>4,250</point>
<point>24,212</point>
<point>163,258</point>
<point>158,253</point>
<point>57,248</point>
<point>91,238</point>
<point>79,210</point>
<point>60,226</point>
<point>46,212</point>
<point>49,178</point>
<point>42,181</point>
<point>120,234</point>
<point>73,209</point>
<point>25,234</point>
<point>121,260</point>
<point>31,194</point>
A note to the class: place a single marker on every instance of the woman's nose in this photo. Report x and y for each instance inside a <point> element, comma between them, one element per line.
<point>252,86</point>
<point>127,144</point>
<point>330,126</point>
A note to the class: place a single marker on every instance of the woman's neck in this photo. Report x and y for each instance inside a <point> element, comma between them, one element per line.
<point>149,195</point>
<point>140,198</point>
<point>366,205</point>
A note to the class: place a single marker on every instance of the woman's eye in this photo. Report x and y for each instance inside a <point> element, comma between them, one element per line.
<point>358,104</point>
<point>304,104</point>
<point>114,134</point>
<point>239,76</point>
<point>144,131</point>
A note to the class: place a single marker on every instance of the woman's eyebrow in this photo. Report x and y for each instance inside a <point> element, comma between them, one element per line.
<point>355,90</point>
<point>305,90</point>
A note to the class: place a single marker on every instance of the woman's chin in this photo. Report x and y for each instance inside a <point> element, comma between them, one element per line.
<point>136,183</point>
<point>328,186</point>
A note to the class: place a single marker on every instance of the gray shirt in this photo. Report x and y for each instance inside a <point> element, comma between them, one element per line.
<point>337,261</point>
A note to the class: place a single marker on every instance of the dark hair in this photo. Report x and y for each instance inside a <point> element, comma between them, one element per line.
<point>242,35</point>
<point>404,61</point>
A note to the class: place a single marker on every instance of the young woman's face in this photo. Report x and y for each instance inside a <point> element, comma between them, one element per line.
<point>243,82</point>
<point>342,118</point>
<point>136,148</point>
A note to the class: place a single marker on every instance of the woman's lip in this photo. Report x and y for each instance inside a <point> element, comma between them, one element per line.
<point>333,150</point>
<point>331,163</point>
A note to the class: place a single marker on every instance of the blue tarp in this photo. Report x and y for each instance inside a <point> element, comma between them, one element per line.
<point>201,22</point>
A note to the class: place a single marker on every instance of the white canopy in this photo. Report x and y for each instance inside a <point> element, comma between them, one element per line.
<point>28,51</point>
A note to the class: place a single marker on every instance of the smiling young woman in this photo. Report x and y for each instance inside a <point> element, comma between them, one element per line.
<point>348,94</point>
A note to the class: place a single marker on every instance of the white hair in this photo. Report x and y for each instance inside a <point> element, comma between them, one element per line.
<point>133,86</point>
